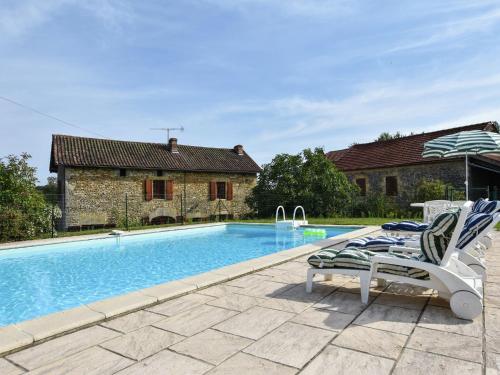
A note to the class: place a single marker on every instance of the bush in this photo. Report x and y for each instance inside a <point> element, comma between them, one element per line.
<point>429,190</point>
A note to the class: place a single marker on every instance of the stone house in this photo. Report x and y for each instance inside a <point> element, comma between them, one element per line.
<point>108,182</point>
<point>395,167</point>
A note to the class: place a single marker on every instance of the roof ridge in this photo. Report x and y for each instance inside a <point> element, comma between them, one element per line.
<point>138,142</point>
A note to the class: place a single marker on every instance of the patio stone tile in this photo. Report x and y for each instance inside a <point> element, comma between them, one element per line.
<point>492,321</point>
<point>408,290</point>
<point>218,290</point>
<point>354,287</point>
<point>120,304</point>
<point>91,361</point>
<point>399,300</point>
<point>255,322</point>
<point>133,321</point>
<point>298,293</point>
<point>371,341</point>
<point>211,346</point>
<point>245,364</point>
<point>348,303</point>
<point>265,288</point>
<point>181,304</point>
<point>195,320</point>
<point>7,368</point>
<point>142,343</point>
<point>421,363</point>
<point>246,281</point>
<point>282,276</point>
<point>388,318</point>
<point>492,300</point>
<point>492,288</point>
<point>331,320</point>
<point>284,304</point>
<point>294,267</point>
<point>492,364</point>
<point>291,344</point>
<point>443,319</point>
<point>435,300</point>
<point>450,344</point>
<point>168,290</point>
<point>61,347</point>
<point>12,338</point>
<point>59,322</point>
<point>492,343</point>
<point>167,362</point>
<point>334,360</point>
<point>238,302</point>
<point>204,279</point>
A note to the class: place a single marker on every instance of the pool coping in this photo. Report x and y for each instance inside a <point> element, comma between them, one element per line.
<point>21,335</point>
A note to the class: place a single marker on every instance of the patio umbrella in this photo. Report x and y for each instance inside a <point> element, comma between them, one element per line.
<point>472,142</point>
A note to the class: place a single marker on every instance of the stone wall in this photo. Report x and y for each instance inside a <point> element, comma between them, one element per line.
<point>408,177</point>
<point>97,196</point>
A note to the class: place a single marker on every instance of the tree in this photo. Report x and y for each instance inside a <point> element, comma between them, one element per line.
<point>24,213</point>
<point>50,189</point>
<point>385,136</point>
<point>308,179</point>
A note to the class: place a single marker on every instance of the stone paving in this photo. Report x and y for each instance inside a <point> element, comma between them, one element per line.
<point>265,323</point>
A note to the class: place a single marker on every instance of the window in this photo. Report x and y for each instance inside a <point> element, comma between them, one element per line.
<point>391,186</point>
<point>159,173</point>
<point>221,190</point>
<point>159,189</point>
<point>361,182</point>
<point>123,172</point>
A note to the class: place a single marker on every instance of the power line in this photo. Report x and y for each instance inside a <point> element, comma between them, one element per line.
<point>50,116</point>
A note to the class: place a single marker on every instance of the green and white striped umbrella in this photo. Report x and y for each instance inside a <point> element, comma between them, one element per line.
<point>472,142</point>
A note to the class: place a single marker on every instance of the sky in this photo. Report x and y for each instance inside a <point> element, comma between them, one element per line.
<point>274,75</point>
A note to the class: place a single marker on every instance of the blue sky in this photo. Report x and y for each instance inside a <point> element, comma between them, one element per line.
<point>274,75</point>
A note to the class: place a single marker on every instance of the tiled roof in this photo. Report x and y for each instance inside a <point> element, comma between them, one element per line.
<point>394,152</point>
<point>73,151</point>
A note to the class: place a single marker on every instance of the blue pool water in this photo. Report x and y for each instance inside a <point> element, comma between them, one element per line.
<point>39,280</point>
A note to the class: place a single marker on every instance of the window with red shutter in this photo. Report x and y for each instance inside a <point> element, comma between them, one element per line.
<point>148,188</point>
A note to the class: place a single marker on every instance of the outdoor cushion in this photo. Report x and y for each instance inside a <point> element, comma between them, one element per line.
<point>357,259</point>
<point>323,258</point>
<point>434,240</point>
<point>475,223</point>
<point>410,226</point>
<point>378,244</point>
<point>485,207</point>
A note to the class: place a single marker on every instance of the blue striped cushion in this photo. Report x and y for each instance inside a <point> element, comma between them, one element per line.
<point>485,207</point>
<point>412,226</point>
<point>475,223</point>
<point>434,240</point>
<point>379,244</point>
<point>323,258</point>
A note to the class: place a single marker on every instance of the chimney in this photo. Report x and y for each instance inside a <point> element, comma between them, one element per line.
<point>238,149</point>
<point>172,146</point>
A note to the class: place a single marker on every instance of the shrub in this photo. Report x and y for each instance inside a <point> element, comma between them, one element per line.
<point>428,190</point>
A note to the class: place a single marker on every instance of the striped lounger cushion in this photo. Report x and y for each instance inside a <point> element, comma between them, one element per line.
<point>378,244</point>
<point>485,207</point>
<point>475,223</point>
<point>357,259</point>
<point>435,239</point>
<point>409,226</point>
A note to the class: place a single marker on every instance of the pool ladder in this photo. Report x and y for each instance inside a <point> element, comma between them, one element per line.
<point>290,224</point>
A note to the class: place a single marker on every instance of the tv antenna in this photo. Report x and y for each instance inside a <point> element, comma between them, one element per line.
<point>168,130</point>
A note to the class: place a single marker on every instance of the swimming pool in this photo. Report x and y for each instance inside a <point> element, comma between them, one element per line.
<point>39,280</point>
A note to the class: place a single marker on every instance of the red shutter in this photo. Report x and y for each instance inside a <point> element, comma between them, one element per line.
<point>229,192</point>
<point>148,188</point>
<point>169,187</point>
<point>213,190</point>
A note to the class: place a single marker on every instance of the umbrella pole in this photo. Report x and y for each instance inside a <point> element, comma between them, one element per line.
<point>466,177</point>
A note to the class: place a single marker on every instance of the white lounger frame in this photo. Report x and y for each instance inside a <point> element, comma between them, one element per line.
<point>452,279</point>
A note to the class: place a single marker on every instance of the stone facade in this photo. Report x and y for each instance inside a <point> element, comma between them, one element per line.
<point>408,177</point>
<point>97,196</point>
